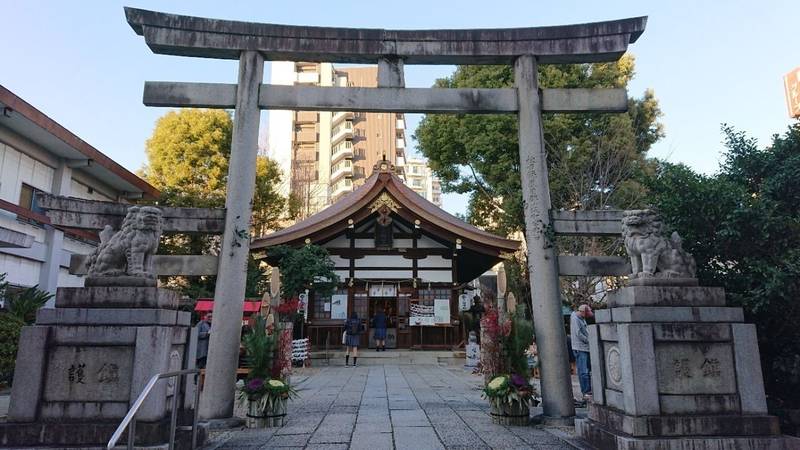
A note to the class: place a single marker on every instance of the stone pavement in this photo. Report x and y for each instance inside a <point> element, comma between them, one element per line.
<point>390,407</point>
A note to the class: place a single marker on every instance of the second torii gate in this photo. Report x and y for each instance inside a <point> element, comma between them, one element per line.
<point>252,43</point>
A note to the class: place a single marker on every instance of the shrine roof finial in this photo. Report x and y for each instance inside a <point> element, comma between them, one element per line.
<point>384,166</point>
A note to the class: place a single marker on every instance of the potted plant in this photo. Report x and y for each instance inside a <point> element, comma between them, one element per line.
<point>507,388</point>
<point>510,398</point>
<point>266,396</point>
<point>267,400</point>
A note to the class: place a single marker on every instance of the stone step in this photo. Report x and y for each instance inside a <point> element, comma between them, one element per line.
<point>398,357</point>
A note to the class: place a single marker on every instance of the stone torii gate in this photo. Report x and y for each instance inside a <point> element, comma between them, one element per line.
<point>252,43</point>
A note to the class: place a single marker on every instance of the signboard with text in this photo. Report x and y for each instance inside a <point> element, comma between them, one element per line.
<point>339,306</point>
<point>441,310</point>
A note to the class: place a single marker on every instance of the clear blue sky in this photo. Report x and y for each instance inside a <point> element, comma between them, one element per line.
<point>708,62</point>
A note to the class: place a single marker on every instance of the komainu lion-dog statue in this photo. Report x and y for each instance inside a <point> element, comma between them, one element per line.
<point>652,254</point>
<point>125,257</point>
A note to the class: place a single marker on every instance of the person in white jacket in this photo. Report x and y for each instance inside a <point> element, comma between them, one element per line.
<point>580,347</point>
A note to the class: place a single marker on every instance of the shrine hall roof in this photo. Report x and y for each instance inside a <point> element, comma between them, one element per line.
<point>359,205</point>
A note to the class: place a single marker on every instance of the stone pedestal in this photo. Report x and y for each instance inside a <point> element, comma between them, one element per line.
<point>674,368</point>
<point>83,364</point>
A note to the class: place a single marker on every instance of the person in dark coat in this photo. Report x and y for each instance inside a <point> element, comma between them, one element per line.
<point>203,334</point>
<point>379,323</point>
<point>353,328</point>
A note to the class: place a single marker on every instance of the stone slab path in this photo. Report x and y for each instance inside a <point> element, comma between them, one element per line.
<point>390,407</point>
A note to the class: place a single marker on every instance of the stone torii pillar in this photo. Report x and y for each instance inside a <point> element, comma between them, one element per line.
<point>557,404</point>
<point>217,399</point>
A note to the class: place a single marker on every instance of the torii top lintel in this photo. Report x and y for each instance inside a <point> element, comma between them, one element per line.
<point>174,34</point>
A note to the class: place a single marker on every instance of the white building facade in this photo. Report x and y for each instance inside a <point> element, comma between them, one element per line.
<point>39,155</point>
<point>419,177</point>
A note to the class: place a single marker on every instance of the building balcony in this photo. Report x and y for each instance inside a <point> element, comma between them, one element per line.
<point>341,132</point>
<point>340,116</point>
<point>400,124</point>
<point>401,143</point>
<point>305,117</point>
<point>342,151</point>
<point>343,169</point>
<point>305,136</point>
<point>345,185</point>
<point>308,77</point>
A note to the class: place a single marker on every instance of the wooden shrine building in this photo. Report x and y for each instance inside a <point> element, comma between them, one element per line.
<point>396,251</point>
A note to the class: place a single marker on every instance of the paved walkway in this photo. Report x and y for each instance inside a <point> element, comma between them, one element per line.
<point>390,407</point>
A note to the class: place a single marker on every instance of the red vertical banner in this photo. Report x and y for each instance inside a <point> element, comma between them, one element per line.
<point>791,83</point>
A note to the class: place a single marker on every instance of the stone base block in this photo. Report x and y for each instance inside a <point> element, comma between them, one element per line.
<point>87,435</point>
<point>112,316</point>
<point>117,297</point>
<point>659,314</point>
<point>667,296</point>
<point>658,281</point>
<point>603,438</point>
<point>685,425</point>
<point>122,280</point>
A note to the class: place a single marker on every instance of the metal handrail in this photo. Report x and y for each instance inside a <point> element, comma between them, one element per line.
<point>130,417</point>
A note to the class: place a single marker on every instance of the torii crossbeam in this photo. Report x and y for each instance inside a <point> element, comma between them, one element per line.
<point>252,43</point>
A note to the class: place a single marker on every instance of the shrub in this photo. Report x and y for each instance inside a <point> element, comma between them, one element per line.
<point>10,328</point>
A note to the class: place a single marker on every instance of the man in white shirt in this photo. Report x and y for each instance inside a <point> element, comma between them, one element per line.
<point>580,347</point>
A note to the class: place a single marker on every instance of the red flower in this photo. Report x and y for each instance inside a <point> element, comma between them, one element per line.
<point>289,306</point>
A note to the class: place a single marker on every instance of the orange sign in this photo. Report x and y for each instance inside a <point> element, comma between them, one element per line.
<point>791,83</point>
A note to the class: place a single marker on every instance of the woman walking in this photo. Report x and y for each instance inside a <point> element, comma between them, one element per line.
<point>379,323</point>
<point>353,328</point>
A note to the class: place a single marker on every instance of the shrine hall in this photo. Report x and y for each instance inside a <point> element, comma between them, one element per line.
<point>396,251</point>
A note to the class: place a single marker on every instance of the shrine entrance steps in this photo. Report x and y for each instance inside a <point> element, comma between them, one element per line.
<point>370,357</point>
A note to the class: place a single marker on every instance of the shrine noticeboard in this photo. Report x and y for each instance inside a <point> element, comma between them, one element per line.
<point>339,306</point>
<point>441,310</point>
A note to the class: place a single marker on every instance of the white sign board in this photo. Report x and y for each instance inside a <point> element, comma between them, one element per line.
<point>424,321</point>
<point>339,306</point>
<point>463,302</point>
<point>441,310</point>
<point>383,290</point>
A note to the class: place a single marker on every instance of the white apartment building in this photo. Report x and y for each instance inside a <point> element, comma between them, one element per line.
<point>39,155</point>
<point>419,177</point>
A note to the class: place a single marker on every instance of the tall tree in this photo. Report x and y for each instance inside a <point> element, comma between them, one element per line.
<point>743,227</point>
<point>594,159</point>
<point>187,160</point>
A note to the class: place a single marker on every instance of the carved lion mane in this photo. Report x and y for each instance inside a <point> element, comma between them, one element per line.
<point>652,254</point>
<point>129,251</point>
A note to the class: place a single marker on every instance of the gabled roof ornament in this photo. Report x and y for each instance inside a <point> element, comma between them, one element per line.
<point>383,166</point>
<point>384,200</point>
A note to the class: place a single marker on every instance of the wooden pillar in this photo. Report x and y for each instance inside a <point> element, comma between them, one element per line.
<point>557,400</point>
<point>223,351</point>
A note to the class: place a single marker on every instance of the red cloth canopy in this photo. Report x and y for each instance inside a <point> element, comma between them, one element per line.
<point>207,305</point>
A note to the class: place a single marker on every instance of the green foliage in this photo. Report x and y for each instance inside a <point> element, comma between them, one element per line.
<point>187,160</point>
<point>595,161</point>
<point>308,267</point>
<point>743,227</point>
<point>592,158</point>
<point>24,303</point>
<point>259,348</point>
<point>518,341</point>
<point>21,307</point>
<point>10,328</point>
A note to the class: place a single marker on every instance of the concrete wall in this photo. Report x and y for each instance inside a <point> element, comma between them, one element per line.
<point>22,161</point>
